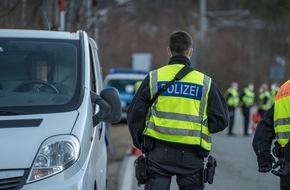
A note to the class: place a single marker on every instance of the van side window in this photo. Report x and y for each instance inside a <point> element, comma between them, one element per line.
<point>93,76</point>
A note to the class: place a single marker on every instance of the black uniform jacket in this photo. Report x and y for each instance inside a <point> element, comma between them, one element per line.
<point>265,133</point>
<point>218,116</point>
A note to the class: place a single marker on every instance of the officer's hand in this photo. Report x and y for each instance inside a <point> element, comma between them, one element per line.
<point>277,150</point>
<point>265,161</point>
<point>284,167</point>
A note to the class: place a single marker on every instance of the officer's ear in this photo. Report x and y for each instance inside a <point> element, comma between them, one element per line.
<point>169,52</point>
<point>190,52</point>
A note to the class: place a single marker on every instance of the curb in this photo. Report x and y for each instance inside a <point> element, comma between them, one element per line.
<point>126,173</point>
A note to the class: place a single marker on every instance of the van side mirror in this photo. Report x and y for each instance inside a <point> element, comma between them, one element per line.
<point>110,106</point>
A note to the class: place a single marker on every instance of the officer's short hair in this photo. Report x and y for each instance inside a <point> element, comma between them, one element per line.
<point>180,42</point>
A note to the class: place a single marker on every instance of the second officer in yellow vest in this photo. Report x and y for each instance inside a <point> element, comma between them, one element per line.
<point>175,132</point>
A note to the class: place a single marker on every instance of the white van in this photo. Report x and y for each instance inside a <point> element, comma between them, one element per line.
<point>52,111</point>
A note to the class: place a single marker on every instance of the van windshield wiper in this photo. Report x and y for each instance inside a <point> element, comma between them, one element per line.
<point>5,112</point>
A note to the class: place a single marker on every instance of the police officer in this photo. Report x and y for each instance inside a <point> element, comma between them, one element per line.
<point>175,132</point>
<point>232,98</point>
<point>264,99</point>
<point>247,99</point>
<point>275,125</point>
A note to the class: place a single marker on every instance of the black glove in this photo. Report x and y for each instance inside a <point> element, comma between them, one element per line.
<point>284,167</point>
<point>277,150</point>
<point>265,161</point>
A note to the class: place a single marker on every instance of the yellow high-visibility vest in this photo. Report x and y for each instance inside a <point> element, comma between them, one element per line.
<point>234,99</point>
<point>282,114</point>
<point>248,98</point>
<point>137,85</point>
<point>265,105</point>
<point>179,113</point>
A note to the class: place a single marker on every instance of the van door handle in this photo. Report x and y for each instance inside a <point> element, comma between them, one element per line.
<point>100,130</point>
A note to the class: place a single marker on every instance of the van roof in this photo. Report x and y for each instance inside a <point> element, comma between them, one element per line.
<point>45,34</point>
<point>127,71</point>
<point>125,76</point>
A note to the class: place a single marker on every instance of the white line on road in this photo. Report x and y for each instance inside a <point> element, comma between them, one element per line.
<point>126,173</point>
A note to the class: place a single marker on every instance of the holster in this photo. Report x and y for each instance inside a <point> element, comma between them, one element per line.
<point>209,171</point>
<point>147,144</point>
<point>141,172</point>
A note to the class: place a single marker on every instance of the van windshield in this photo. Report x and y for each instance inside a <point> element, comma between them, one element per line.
<point>38,75</point>
<point>122,85</point>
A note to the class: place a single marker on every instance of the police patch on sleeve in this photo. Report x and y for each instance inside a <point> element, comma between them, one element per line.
<point>182,89</point>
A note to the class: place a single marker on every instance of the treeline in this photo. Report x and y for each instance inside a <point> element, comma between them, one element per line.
<point>245,41</point>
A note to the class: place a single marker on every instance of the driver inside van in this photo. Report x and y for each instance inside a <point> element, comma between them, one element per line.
<point>39,68</point>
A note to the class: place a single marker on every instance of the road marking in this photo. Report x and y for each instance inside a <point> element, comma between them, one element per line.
<point>126,173</point>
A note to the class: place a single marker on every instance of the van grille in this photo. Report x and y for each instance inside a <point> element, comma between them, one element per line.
<point>12,179</point>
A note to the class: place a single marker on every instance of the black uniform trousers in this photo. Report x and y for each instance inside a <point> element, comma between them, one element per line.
<point>232,119</point>
<point>285,182</point>
<point>246,114</point>
<point>165,161</point>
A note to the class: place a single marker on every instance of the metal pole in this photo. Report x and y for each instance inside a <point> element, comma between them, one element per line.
<point>203,21</point>
<point>62,15</point>
<point>23,13</point>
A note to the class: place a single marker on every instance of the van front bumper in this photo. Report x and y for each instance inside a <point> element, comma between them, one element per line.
<point>72,178</point>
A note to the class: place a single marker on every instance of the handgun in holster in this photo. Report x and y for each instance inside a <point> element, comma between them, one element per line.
<point>209,171</point>
<point>141,172</point>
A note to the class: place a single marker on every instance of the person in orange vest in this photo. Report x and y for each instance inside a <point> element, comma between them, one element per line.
<point>275,125</point>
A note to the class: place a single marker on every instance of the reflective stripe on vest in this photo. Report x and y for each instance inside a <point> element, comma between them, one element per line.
<point>181,116</point>
<point>282,114</point>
